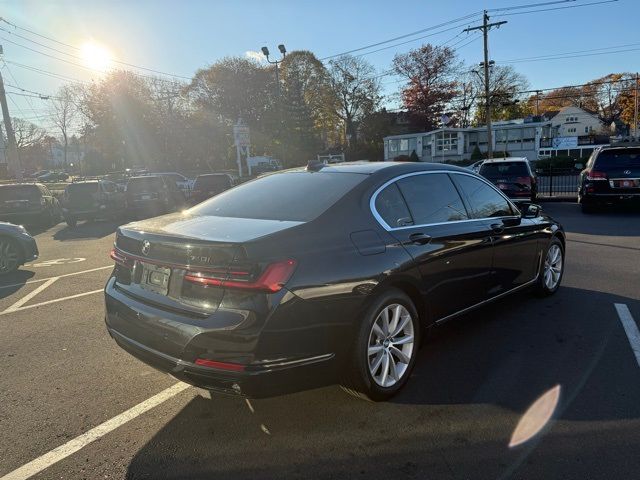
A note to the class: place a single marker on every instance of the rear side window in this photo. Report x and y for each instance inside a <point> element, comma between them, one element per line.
<point>432,198</point>
<point>484,200</point>
<point>504,169</point>
<point>82,188</point>
<point>212,181</point>
<point>392,208</point>
<point>291,196</point>
<point>622,158</point>
<point>145,184</point>
<point>19,192</point>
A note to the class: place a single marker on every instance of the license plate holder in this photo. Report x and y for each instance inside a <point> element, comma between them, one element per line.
<point>155,278</point>
<point>145,197</point>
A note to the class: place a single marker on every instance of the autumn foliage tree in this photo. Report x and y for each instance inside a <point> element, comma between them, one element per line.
<point>431,74</point>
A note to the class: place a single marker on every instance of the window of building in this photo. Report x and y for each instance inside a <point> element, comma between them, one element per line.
<point>446,142</point>
<point>432,198</point>
<point>528,134</point>
<point>393,146</point>
<point>586,129</point>
<point>413,142</point>
<point>404,144</point>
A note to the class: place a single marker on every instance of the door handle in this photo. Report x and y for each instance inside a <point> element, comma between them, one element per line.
<point>419,238</point>
<point>497,227</point>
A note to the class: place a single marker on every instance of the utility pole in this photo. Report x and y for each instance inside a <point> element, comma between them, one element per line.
<point>13,162</point>
<point>485,27</point>
<point>537,102</point>
<point>635,113</point>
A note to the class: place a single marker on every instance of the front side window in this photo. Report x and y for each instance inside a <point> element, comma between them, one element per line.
<point>432,198</point>
<point>484,200</point>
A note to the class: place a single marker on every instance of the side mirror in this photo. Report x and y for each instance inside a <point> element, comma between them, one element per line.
<point>532,211</point>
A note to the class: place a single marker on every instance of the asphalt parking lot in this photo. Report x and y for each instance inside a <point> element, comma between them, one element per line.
<point>475,380</point>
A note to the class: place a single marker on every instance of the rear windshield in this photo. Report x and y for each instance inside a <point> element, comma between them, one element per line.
<point>290,196</point>
<point>504,169</point>
<point>618,158</point>
<point>19,192</point>
<point>212,181</point>
<point>82,188</point>
<point>144,184</point>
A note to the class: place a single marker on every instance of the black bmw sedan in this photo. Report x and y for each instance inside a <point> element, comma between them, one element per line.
<point>310,277</point>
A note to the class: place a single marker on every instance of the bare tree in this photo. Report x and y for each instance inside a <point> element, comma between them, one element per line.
<point>64,114</point>
<point>356,88</point>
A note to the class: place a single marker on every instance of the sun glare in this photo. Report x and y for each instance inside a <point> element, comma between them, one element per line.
<point>95,56</point>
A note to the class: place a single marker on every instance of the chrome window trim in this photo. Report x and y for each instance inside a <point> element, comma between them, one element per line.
<point>383,224</point>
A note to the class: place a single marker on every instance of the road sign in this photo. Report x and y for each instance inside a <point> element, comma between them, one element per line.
<point>241,136</point>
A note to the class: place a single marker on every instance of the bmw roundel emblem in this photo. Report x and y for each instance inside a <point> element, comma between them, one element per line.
<point>146,247</point>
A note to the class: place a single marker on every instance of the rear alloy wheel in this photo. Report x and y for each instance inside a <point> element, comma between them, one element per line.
<point>552,269</point>
<point>391,344</point>
<point>9,256</point>
<point>385,348</point>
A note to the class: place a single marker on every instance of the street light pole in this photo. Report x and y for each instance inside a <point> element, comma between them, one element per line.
<point>283,51</point>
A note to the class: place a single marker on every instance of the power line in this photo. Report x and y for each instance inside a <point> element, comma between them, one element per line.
<point>558,8</point>
<point>563,56</point>
<point>530,5</point>
<point>159,72</point>
<point>417,32</point>
<point>47,73</point>
<point>73,63</point>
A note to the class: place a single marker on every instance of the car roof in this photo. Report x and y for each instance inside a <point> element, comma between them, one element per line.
<point>213,175</point>
<point>507,159</point>
<point>368,168</point>
<point>140,177</point>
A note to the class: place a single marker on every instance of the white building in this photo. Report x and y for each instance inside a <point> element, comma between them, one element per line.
<point>519,138</point>
<point>574,122</point>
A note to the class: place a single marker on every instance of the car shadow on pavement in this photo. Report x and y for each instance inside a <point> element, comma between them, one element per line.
<point>613,221</point>
<point>86,230</point>
<point>10,284</point>
<point>472,383</point>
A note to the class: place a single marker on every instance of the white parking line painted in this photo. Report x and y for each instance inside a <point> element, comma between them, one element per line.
<point>630,328</point>
<point>59,276</point>
<point>30,295</point>
<point>55,300</point>
<point>63,451</point>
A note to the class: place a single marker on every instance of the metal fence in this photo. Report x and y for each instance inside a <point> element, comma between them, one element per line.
<point>557,182</point>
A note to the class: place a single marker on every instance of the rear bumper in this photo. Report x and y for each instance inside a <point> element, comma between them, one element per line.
<point>86,214</point>
<point>171,342</point>
<point>23,216</point>
<point>259,381</point>
<point>611,198</point>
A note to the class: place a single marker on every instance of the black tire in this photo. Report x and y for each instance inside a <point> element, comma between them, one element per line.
<point>586,207</point>
<point>358,379</point>
<point>543,288</point>
<point>71,221</point>
<point>10,256</point>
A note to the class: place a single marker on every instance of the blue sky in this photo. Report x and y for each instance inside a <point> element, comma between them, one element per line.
<point>181,36</point>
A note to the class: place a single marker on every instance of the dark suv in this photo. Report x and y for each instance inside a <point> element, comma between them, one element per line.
<point>210,185</point>
<point>153,195</point>
<point>92,200</point>
<point>29,203</point>
<point>611,176</point>
<point>513,176</point>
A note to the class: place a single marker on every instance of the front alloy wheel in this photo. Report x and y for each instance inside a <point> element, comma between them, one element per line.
<point>552,269</point>
<point>391,343</point>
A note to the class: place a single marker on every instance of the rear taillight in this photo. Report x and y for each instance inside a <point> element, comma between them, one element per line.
<point>121,259</point>
<point>271,280</point>
<point>595,175</point>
